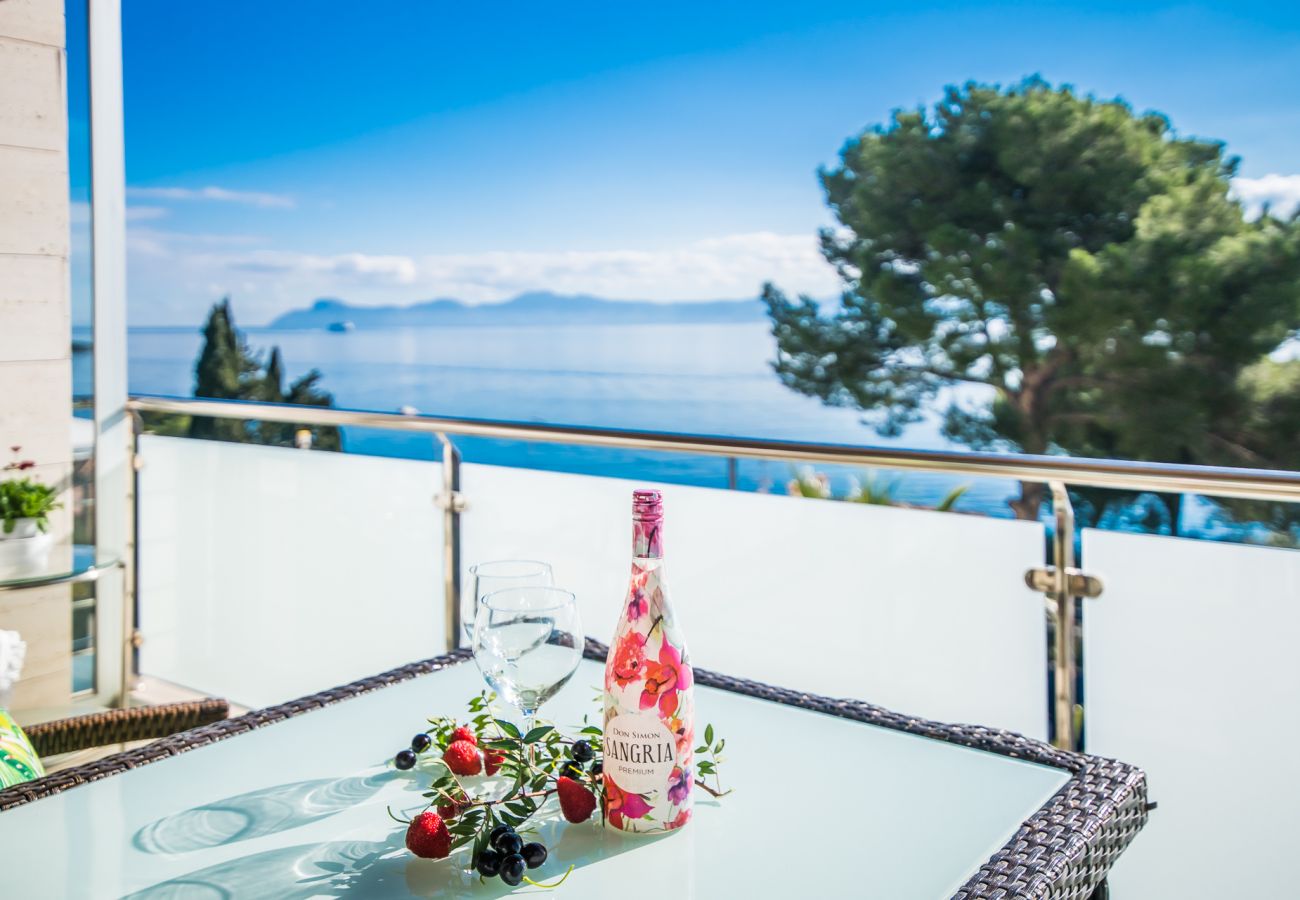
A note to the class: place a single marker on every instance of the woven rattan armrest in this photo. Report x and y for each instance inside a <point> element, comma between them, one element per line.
<point>120,726</point>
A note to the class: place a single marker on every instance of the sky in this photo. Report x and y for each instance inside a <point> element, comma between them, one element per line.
<point>398,151</point>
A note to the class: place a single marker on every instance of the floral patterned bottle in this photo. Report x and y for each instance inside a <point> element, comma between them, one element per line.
<point>649,701</point>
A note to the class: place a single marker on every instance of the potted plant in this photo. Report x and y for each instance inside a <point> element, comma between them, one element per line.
<point>25,507</point>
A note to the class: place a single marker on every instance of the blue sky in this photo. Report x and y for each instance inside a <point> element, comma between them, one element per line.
<point>395,151</point>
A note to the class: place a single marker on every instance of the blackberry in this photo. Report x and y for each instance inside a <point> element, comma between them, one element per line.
<point>489,863</point>
<point>534,854</point>
<point>512,869</point>
<point>509,844</point>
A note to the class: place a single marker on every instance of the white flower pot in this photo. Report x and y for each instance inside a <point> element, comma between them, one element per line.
<point>23,529</point>
<point>25,556</point>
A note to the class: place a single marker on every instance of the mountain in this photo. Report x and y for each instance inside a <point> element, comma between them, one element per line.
<point>536,308</point>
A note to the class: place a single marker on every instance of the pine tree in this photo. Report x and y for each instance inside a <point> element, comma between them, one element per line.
<point>1087,266</point>
<point>228,369</point>
<point>224,371</point>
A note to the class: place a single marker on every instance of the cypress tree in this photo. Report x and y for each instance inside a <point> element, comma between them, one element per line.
<point>228,369</point>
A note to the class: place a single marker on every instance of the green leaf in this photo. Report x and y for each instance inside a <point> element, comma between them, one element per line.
<point>508,727</point>
<point>708,734</point>
<point>703,748</point>
<point>591,729</point>
<point>502,744</point>
<point>480,843</point>
<point>538,733</point>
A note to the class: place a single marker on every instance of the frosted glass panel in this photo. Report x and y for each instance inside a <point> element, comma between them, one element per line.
<point>922,612</point>
<point>267,572</point>
<point>1191,674</point>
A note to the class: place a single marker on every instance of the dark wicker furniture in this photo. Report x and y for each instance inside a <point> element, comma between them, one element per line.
<point>123,726</point>
<point>1062,852</point>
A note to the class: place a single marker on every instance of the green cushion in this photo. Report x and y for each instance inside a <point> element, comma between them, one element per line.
<point>18,761</point>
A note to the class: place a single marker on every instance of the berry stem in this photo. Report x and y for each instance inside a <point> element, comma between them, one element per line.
<point>545,793</point>
<point>553,884</point>
<point>699,782</point>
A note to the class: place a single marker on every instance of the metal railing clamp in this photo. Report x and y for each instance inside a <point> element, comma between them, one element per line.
<point>453,502</point>
<point>1078,583</point>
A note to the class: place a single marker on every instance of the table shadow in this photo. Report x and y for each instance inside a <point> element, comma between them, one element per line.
<point>256,814</point>
<point>383,869</point>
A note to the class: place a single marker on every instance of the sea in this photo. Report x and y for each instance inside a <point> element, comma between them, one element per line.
<point>712,379</point>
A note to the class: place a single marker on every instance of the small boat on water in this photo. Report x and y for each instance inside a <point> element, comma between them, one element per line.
<point>342,327</point>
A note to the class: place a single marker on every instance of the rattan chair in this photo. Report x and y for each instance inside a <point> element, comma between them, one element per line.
<point>121,726</point>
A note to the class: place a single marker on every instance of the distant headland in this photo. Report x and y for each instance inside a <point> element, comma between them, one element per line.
<point>534,308</point>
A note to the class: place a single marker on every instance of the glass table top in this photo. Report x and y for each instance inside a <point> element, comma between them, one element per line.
<point>61,567</point>
<point>822,806</point>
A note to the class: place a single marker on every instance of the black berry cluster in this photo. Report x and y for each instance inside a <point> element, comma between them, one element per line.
<point>507,855</point>
<point>405,759</point>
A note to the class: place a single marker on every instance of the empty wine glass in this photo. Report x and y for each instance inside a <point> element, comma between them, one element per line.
<point>527,643</point>
<point>498,575</point>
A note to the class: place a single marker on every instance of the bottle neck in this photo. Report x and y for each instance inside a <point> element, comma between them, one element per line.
<point>647,537</point>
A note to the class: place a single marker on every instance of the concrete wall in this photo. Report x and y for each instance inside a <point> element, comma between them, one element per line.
<point>35,366</point>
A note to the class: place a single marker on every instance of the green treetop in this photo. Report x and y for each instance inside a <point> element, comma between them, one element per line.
<point>1084,264</point>
<point>227,369</point>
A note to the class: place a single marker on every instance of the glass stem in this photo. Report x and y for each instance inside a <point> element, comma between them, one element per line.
<point>530,718</point>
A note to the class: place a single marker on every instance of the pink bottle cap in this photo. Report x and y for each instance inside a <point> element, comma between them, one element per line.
<point>647,505</point>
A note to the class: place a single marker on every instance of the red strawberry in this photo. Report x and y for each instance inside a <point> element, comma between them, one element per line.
<point>576,802</point>
<point>463,734</point>
<point>450,809</point>
<point>427,836</point>
<point>492,762</point>
<point>462,758</point>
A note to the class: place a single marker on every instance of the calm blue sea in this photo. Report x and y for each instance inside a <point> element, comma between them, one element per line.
<point>702,379</point>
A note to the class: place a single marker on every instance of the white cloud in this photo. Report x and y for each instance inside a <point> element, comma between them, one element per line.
<point>217,194</point>
<point>359,267</point>
<point>145,213</point>
<point>79,213</point>
<point>175,276</point>
<point>730,266</point>
<point>1280,192</point>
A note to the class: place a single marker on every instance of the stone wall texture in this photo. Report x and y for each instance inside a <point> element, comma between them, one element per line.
<point>35,358</point>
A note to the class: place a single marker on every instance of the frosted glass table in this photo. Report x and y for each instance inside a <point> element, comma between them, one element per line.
<point>84,566</point>
<point>825,804</point>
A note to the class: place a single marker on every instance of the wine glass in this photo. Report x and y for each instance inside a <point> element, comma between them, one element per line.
<point>497,575</point>
<point>527,643</point>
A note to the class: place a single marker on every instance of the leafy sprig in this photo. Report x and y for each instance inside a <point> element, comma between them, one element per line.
<point>530,766</point>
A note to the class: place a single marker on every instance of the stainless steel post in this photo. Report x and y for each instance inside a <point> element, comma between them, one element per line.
<point>131,636</point>
<point>452,505</point>
<point>1062,564</point>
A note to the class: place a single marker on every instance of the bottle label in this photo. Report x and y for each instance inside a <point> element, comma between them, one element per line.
<point>640,753</point>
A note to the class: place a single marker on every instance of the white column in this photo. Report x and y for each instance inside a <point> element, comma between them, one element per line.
<point>108,279</point>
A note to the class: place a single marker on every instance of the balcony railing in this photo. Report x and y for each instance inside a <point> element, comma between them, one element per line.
<point>263,573</point>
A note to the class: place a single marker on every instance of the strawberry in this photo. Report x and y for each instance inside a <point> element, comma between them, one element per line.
<point>450,809</point>
<point>427,836</point>
<point>492,762</point>
<point>463,734</point>
<point>462,758</point>
<point>576,802</point>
